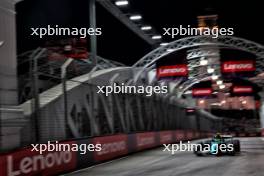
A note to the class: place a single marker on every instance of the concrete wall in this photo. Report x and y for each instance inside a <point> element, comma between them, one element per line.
<point>8,64</point>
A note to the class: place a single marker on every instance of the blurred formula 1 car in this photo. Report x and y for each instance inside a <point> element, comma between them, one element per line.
<point>218,145</point>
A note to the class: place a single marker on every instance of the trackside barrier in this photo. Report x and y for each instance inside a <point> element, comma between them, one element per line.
<point>209,134</point>
<point>112,147</point>
<point>244,134</point>
<point>179,135</point>
<point>24,162</point>
<point>233,134</point>
<point>166,137</point>
<point>252,134</point>
<point>189,135</point>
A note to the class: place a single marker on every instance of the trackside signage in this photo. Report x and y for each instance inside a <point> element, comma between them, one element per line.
<point>166,137</point>
<point>112,146</point>
<point>238,66</point>
<point>179,135</point>
<point>242,89</point>
<point>172,71</point>
<point>257,104</point>
<point>202,91</point>
<point>27,163</point>
<point>197,134</point>
<point>189,135</point>
<point>146,140</point>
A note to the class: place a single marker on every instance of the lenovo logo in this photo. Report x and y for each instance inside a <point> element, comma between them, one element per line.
<point>146,140</point>
<point>179,134</point>
<point>165,137</point>
<point>238,66</point>
<point>37,163</point>
<point>242,89</point>
<point>112,147</point>
<point>202,92</point>
<point>173,70</point>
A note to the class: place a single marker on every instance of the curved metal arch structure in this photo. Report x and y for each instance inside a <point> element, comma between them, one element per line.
<point>196,53</point>
<point>204,77</point>
<point>189,42</point>
<point>200,41</point>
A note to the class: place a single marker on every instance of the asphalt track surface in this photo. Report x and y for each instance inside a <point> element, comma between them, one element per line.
<point>250,162</point>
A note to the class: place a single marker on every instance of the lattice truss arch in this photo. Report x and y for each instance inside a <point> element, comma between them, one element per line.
<point>149,60</point>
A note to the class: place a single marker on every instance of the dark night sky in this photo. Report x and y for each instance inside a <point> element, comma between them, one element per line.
<point>119,43</point>
<point>244,16</point>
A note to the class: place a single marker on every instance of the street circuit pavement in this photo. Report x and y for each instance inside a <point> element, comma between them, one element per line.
<point>155,162</point>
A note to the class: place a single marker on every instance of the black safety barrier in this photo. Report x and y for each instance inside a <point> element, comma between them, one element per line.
<point>24,161</point>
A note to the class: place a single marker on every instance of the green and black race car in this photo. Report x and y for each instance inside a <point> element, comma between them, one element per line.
<point>218,145</point>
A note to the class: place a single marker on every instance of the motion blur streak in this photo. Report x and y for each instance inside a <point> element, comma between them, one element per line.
<point>157,163</point>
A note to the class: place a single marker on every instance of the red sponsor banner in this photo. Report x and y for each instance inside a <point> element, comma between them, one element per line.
<point>179,135</point>
<point>197,134</point>
<point>242,89</point>
<point>238,66</point>
<point>75,48</point>
<point>28,163</point>
<point>189,135</point>
<point>166,137</point>
<point>83,55</point>
<point>112,146</point>
<point>172,70</point>
<point>202,91</point>
<point>146,140</point>
<point>257,104</point>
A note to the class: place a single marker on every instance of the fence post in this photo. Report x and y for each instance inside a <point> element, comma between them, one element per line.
<point>1,44</point>
<point>64,90</point>
<point>93,38</point>
<point>36,106</point>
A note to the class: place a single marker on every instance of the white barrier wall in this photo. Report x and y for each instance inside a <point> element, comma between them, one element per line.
<point>11,116</point>
<point>8,63</point>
